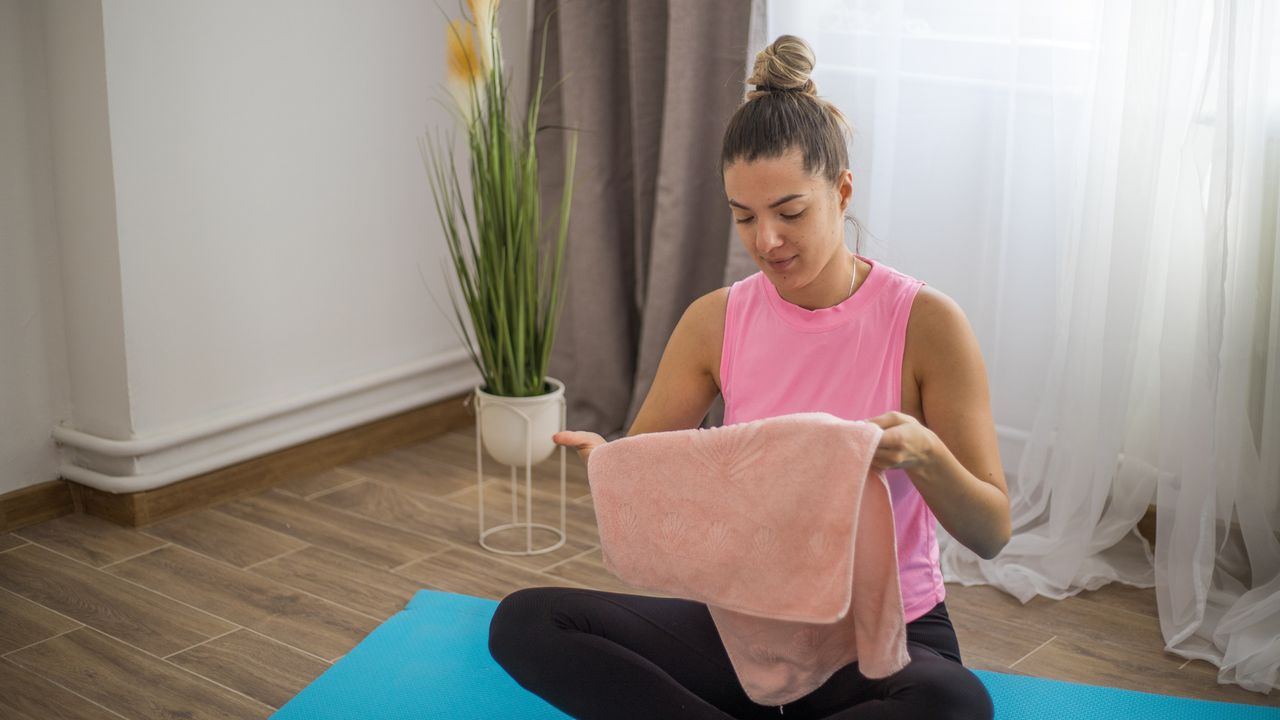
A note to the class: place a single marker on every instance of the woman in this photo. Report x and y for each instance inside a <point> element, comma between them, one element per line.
<point>817,329</point>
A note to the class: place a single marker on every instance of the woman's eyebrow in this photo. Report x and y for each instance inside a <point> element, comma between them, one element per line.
<point>774,204</point>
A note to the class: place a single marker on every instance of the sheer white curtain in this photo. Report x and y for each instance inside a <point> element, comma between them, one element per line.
<point>1096,183</point>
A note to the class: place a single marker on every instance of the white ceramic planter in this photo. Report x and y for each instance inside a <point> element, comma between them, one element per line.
<point>505,421</point>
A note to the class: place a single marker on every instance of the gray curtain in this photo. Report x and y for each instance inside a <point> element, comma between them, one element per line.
<point>649,85</point>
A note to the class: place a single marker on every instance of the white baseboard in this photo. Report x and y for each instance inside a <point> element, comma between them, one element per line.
<point>149,462</point>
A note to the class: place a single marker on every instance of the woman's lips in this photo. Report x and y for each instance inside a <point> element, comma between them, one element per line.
<point>783,265</point>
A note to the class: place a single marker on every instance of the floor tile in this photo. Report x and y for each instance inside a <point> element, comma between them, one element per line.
<point>264,669</point>
<point>990,638</point>
<point>414,512</point>
<point>131,682</point>
<point>476,573</point>
<point>341,580</point>
<point>226,538</point>
<point>414,472</point>
<point>25,695</point>
<point>23,622</point>
<point>242,597</point>
<point>307,486</point>
<point>345,533</point>
<point>89,539</point>
<point>124,610</point>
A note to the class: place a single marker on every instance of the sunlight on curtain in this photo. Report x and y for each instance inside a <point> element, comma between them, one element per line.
<point>1129,153</point>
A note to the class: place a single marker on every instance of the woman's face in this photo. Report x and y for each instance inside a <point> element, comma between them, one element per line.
<point>783,213</point>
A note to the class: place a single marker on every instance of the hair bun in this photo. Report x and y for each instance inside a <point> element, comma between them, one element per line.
<point>785,65</point>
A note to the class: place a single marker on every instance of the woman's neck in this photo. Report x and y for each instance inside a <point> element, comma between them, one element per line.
<point>836,283</point>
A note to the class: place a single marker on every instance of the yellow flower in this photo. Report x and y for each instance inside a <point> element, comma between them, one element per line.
<point>466,77</point>
<point>464,63</point>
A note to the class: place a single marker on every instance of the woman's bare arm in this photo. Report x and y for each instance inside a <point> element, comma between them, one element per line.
<point>963,484</point>
<point>683,387</point>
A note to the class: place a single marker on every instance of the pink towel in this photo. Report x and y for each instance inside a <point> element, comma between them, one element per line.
<point>779,526</point>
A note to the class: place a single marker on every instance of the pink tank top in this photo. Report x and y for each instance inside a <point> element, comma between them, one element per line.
<point>780,358</point>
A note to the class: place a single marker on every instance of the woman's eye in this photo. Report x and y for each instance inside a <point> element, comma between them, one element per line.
<point>745,220</point>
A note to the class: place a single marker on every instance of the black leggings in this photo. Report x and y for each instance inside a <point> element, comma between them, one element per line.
<point>597,654</point>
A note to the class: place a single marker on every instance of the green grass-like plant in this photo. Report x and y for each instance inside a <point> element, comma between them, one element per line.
<point>512,289</point>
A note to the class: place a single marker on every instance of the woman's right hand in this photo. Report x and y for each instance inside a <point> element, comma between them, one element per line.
<point>582,441</point>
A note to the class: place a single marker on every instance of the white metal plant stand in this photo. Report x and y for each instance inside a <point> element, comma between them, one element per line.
<point>528,523</point>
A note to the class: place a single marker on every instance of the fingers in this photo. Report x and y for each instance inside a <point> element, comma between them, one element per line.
<point>566,437</point>
<point>582,442</point>
<point>575,438</point>
<point>890,419</point>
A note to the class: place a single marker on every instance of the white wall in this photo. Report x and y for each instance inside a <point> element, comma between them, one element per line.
<point>34,387</point>
<point>241,212</point>
<point>272,200</point>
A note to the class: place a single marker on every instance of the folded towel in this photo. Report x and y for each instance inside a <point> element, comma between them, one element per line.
<point>779,526</point>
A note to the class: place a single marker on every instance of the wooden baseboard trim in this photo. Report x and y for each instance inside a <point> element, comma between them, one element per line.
<point>144,508</point>
<point>35,504</point>
<point>45,501</point>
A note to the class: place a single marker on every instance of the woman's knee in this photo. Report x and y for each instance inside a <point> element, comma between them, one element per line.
<point>515,621</point>
<point>956,694</point>
<point>520,621</point>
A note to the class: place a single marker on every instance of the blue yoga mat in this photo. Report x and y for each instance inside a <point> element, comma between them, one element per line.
<point>431,660</point>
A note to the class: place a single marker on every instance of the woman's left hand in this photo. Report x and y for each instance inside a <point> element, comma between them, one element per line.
<point>905,444</point>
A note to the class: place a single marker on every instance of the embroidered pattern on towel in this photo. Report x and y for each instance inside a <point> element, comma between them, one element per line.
<point>779,526</point>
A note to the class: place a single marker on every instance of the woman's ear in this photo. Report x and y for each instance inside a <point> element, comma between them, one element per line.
<point>844,188</point>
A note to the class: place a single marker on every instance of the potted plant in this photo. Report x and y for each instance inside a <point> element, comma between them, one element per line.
<point>512,290</point>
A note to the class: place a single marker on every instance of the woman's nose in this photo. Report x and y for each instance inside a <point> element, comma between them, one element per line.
<point>767,238</point>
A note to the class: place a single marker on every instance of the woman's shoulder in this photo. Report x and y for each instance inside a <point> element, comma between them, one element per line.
<point>708,312</point>
<point>934,325</point>
<point>934,309</point>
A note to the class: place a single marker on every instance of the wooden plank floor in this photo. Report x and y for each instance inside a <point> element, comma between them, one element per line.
<point>230,611</point>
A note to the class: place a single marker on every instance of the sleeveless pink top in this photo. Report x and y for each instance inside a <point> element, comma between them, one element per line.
<point>780,358</point>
